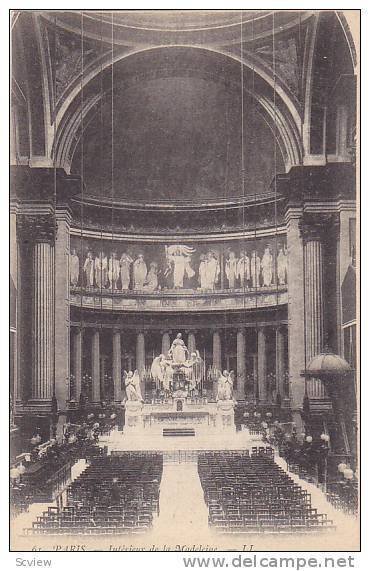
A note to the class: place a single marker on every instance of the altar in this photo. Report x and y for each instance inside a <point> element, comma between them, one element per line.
<point>178,376</point>
<point>180,413</point>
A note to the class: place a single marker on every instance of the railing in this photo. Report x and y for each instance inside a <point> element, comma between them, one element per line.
<point>179,300</point>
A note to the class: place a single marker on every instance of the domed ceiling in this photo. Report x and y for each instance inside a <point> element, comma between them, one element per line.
<point>176,138</point>
<point>182,26</point>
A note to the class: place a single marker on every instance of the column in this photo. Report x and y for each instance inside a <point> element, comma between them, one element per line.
<point>191,342</point>
<point>117,366</point>
<point>296,332</point>
<point>62,306</point>
<point>130,359</point>
<point>166,343</point>
<point>43,313</point>
<point>14,305</point>
<point>95,366</point>
<point>255,377</point>
<point>77,361</point>
<point>261,364</point>
<point>312,229</point>
<point>217,350</point>
<point>279,361</point>
<point>240,363</point>
<point>103,370</point>
<point>140,359</point>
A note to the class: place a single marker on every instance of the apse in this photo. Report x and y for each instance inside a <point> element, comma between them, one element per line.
<point>174,138</point>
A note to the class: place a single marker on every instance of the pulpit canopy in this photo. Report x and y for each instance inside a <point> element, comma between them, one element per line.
<point>328,366</point>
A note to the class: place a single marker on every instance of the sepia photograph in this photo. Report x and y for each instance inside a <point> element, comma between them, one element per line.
<point>184,280</point>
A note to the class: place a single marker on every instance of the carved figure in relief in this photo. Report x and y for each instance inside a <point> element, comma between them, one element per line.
<point>125,267</point>
<point>104,269</point>
<point>266,266</point>
<point>113,270</point>
<point>89,270</point>
<point>74,268</point>
<point>255,269</point>
<point>282,265</point>
<point>140,271</point>
<point>101,270</point>
<point>243,269</point>
<point>212,270</point>
<point>225,386</point>
<point>231,269</point>
<point>151,281</point>
<point>179,257</point>
<point>132,385</point>
<point>202,271</point>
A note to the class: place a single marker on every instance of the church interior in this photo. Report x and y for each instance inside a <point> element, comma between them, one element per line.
<point>183,275</point>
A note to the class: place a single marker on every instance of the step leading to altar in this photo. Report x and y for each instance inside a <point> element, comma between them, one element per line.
<point>178,432</point>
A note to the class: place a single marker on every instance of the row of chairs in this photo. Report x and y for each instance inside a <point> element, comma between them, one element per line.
<point>114,495</point>
<point>250,493</point>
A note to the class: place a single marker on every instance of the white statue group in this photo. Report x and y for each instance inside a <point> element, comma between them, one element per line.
<point>107,272</point>
<point>179,359</point>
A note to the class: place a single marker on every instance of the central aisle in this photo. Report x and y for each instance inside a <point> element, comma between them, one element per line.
<point>183,515</point>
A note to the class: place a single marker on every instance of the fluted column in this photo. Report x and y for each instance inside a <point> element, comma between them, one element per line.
<point>166,343</point>
<point>296,329</point>
<point>117,366</point>
<point>77,361</point>
<point>279,363</point>
<point>240,363</point>
<point>312,229</point>
<point>191,342</point>
<point>140,359</point>
<point>43,322</point>
<point>43,318</point>
<point>261,363</point>
<point>15,308</point>
<point>95,366</point>
<point>217,363</point>
<point>62,305</point>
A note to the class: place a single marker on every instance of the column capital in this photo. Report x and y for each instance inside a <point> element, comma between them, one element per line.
<point>293,213</point>
<point>241,330</point>
<point>315,226</point>
<point>63,214</point>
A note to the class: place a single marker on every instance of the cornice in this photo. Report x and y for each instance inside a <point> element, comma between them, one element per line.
<point>174,238</point>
